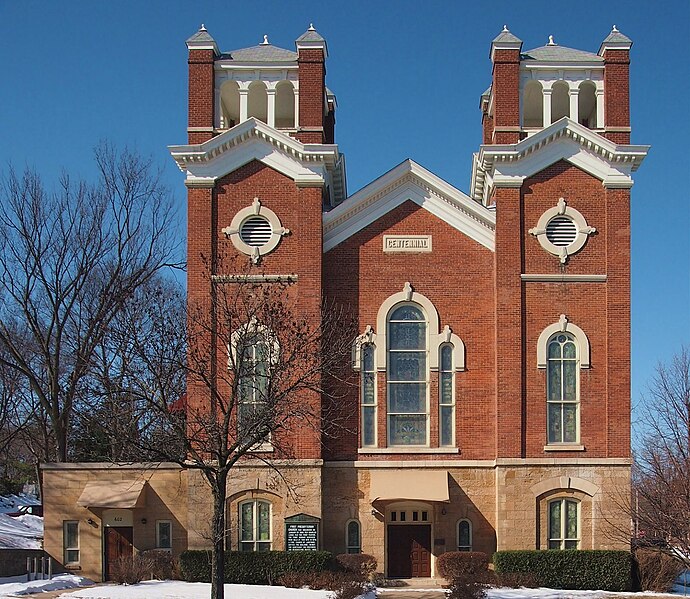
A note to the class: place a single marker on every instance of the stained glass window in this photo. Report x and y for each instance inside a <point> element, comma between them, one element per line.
<point>354,543</point>
<point>255,526</point>
<point>464,535</point>
<point>368,396</point>
<point>407,376</point>
<point>446,396</point>
<point>253,368</point>
<point>563,524</point>
<point>562,389</point>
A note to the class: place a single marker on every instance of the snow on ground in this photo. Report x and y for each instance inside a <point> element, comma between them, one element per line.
<point>174,589</point>
<point>21,532</point>
<point>16,586</point>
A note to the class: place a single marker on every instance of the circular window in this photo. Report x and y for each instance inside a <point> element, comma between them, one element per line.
<point>256,231</point>
<point>561,231</point>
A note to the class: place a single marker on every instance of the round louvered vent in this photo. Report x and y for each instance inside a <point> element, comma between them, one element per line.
<point>561,231</point>
<point>256,231</point>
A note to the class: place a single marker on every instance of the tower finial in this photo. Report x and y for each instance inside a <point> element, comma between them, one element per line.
<point>311,27</point>
<point>551,42</point>
<point>203,27</point>
<point>614,30</point>
<point>505,28</point>
<point>265,42</point>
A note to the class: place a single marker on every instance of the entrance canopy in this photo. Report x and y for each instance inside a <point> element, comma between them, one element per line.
<point>416,485</point>
<point>122,495</point>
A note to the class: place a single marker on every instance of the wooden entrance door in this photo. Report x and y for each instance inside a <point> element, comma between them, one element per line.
<point>118,543</point>
<point>409,551</point>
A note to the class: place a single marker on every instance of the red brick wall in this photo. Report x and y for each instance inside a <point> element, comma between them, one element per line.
<point>299,209</point>
<point>617,94</point>
<point>509,316</point>
<point>457,278</point>
<point>601,310</point>
<point>506,90</point>
<point>312,86</point>
<point>201,83</point>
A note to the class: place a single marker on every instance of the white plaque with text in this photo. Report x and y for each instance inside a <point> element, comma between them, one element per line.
<point>406,243</point>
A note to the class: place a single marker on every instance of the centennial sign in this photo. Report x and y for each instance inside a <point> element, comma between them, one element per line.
<point>302,533</point>
<point>406,243</point>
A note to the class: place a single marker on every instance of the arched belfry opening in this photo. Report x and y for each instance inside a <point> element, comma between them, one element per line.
<point>533,105</point>
<point>257,103</point>
<point>230,104</point>
<point>285,105</point>
<point>587,105</point>
<point>560,101</point>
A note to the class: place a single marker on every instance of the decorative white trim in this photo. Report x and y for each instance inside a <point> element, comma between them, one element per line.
<point>436,338</point>
<point>409,181</point>
<point>510,164</point>
<point>256,209</point>
<point>368,336</point>
<point>306,164</point>
<point>254,326</point>
<point>558,483</point>
<point>562,278</point>
<point>563,326</point>
<point>583,230</point>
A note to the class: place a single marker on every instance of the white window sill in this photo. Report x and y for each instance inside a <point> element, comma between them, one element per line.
<point>408,450</point>
<point>564,447</point>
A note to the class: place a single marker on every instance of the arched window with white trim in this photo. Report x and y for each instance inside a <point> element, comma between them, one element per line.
<point>255,525</point>
<point>408,376</point>
<point>353,537</point>
<point>562,384</point>
<point>464,531</point>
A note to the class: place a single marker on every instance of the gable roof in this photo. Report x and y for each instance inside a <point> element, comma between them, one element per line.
<point>409,181</point>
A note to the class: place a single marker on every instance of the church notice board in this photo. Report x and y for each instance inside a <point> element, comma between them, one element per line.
<point>302,533</point>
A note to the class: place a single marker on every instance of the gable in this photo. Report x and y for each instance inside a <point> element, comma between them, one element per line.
<point>409,182</point>
<point>308,165</point>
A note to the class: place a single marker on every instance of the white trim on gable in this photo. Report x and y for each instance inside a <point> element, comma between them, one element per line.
<point>509,165</point>
<point>409,181</point>
<point>306,164</point>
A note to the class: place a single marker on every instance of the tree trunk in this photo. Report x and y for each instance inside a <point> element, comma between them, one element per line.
<point>218,532</point>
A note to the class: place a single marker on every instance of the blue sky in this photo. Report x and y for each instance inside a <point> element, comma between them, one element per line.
<point>407,76</point>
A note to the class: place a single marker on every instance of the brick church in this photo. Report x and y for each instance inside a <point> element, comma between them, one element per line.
<point>493,356</point>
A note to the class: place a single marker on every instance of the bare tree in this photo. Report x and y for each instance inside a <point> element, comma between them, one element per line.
<point>69,262</point>
<point>661,474</point>
<point>259,371</point>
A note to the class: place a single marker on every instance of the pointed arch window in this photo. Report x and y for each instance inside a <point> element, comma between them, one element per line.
<point>408,377</point>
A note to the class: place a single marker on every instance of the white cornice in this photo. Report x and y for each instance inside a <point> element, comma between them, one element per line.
<point>409,181</point>
<point>306,164</point>
<point>508,165</point>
